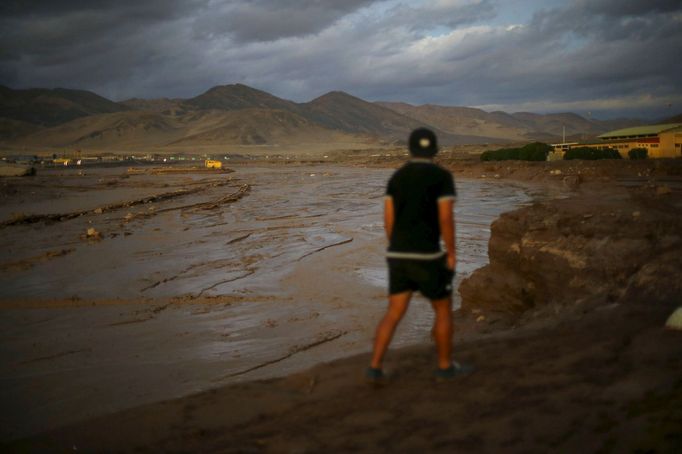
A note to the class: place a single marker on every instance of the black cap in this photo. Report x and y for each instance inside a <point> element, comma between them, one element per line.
<point>423,143</point>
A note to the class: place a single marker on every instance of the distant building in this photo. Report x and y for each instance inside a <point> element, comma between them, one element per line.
<point>660,141</point>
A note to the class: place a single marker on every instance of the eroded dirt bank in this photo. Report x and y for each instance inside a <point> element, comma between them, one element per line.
<point>605,244</point>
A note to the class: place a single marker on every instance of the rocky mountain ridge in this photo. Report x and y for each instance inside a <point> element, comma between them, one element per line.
<point>238,115</point>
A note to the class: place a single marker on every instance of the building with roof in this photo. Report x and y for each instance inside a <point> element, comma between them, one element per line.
<point>660,141</point>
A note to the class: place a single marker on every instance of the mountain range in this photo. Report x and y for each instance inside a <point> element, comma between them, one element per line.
<point>244,118</point>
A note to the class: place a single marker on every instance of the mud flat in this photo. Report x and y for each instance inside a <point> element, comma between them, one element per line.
<point>192,281</point>
<point>564,326</point>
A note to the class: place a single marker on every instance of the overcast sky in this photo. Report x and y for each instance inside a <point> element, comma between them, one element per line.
<point>602,58</point>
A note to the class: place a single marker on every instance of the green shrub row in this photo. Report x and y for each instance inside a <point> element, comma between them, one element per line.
<point>592,153</point>
<point>638,153</point>
<point>536,151</point>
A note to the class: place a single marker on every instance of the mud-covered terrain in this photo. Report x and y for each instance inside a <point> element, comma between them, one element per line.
<point>564,326</point>
<point>122,287</point>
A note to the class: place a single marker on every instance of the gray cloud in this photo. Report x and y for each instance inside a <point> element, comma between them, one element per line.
<point>269,20</point>
<point>629,8</point>
<point>444,14</point>
<point>619,57</point>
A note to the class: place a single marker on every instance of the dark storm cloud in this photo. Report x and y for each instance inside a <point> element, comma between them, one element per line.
<point>444,14</point>
<point>590,55</point>
<point>594,46</point>
<point>629,8</point>
<point>97,45</point>
<point>268,20</point>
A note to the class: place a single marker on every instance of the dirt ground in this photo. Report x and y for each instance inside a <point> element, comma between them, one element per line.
<point>584,367</point>
<point>605,381</point>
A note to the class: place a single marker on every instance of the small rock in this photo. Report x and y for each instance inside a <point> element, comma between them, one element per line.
<point>675,320</point>
<point>663,190</point>
<point>17,217</point>
<point>129,216</point>
<point>98,211</point>
<point>480,318</point>
<point>93,234</point>
<point>636,214</point>
<point>572,181</point>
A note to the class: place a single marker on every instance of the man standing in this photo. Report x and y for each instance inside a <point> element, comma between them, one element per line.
<point>418,214</point>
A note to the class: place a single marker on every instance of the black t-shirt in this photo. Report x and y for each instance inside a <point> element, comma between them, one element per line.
<point>416,189</point>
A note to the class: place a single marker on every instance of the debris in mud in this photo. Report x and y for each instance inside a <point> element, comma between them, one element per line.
<point>176,170</point>
<point>33,218</point>
<point>572,181</point>
<point>339,243</point>
<point>323,338</point>
<point>675,320</point>
<point>30,262</point>
<point>663,190</point>
<point>93,234</point>
<point>16,170</point>
<point>17,217</point>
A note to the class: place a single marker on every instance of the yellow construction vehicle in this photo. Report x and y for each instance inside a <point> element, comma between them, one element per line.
<point>213,164</point>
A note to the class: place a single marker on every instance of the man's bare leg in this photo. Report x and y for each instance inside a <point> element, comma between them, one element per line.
<point>442,331</point>
<point>397,306</point>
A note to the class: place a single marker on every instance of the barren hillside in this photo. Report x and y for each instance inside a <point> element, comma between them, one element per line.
<point>241,116</point>
<point>46,107</point>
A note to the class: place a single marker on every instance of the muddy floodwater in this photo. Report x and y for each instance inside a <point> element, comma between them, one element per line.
<point>193,280</point>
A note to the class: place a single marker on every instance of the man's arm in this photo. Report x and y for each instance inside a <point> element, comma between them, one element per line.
<point>389,216</point>
<point>446,220</point>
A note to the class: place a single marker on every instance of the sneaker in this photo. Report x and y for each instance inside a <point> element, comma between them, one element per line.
<point>375,377</point>
<point>455,370</point>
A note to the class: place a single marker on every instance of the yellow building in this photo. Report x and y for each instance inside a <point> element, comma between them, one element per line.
<point>661,141</point>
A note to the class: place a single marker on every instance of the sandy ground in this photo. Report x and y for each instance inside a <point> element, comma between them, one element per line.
<point>118,371</point>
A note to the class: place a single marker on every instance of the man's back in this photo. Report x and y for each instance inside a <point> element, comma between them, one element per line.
<point>415,190</point>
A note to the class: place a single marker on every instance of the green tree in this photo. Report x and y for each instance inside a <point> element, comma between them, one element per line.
<point>638,153</point>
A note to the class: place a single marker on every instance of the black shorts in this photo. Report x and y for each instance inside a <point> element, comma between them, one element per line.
<point>431,278</point>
